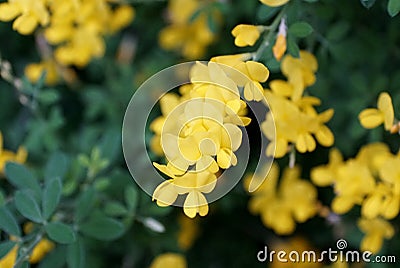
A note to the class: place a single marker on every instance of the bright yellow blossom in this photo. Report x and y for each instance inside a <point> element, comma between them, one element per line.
<point>8,156</point>
<point>279,47</point>
<point>246,35</point>
<point>29,13</point>
<point>300,72</point>
<point>327,174</point>
<point>8,260</point>
<point>34,70</point>
<point>281,206</point>
<point>371,118</point>
<point>169,260</point>
<point>376,231</point>
<point>274,3</point>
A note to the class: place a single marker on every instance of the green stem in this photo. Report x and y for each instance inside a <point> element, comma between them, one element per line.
<point>268,38</point>
<point>28,251</point>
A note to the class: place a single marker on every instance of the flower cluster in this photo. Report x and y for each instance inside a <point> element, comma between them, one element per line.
<point>293,112</point>
<point>370,180</point>
<point>8,156</point>
<point>39,251</point>
<point>188,31</point>
<point>76,29</point>
<point>199,131</point>
<point>283,204</point>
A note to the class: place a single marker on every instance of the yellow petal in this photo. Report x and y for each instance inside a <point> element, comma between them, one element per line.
<point>281,87</point>
<point>224,158</point>
<point>195,203</point>
<point>274,3</point>
<point>342,204</point>
<point>246,35</point>
<point>25,24</point>
<point>8,11</point>
<point>279,48</point>
<point>165,194</point>
<point>305,143</point>
<point>385,105</point>
<point>167,260</point>
<point>257,71</point>
<point>370,118</point>
<point>325,136</point>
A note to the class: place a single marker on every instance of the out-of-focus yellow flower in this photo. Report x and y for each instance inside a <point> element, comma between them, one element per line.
<point>274,3</point>
<point>246,35</point>
<point>169,260</point>
<point>121,17</point>
<point>189,35</point>
<point>41,250</point>
<point>279,47</point>
<point>8,260</point>
<point>376,231</point>
<point>189,230</point>
<point>8,156</point>
<point>297,244</point>
<point>300,72</point>
<point>34,70</point>
<point>280,207</point>
<point>29,13</point>
<point>327,174</point>
<point>371,118</point>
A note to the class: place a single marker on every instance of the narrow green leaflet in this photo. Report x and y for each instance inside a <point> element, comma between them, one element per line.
<point>393,7</point>
<point>5,247</point>
<point>101,227</point>
<point>131,197</point>
<point>114,208</point>
<point>55,259</point>
<point>57,166</point>
<point>8,223</point>
<point>51,197</point>
<point>87,198</point>
<point>300,29</point>
<point>292,47</point>
<point>28,206</point>
<point>60,232</point>
<point>21,177</point>
<point>76,254</point>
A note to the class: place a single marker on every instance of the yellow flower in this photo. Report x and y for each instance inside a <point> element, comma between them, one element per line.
<point>279,47</point>
<point>300,72</point>
<point>34,70</point>
<point>189,231</point>
<point>376,231</point>
<point>327,174</point>
<point>256,72</point>
<point>371,118</point>
<point>169,260</point>
<point>246,35</point>
<point>375,204</point>
<point>8,260</point>
<point>274,3</point>
<point>188,35</point>
<point>41,250</point>
<point>29,13</point>
<point>192,184</point>
<point>280,207</point>
<point>8,156</point>
<point>354,182</point>
<point>122,16</point>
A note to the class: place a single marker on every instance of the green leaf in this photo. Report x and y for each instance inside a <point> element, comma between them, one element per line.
<point>5,247</point>
<point>292,47</point>
<point>51,197</point>
<point>393,7</point>
<point>265,12</point>
<point>21,177</point>
<point>55,259</point>
<point>110,144</point>
<point>102,228</point>
<point>87,198</point>
<point>57,166</point>
<point>60,232</point>
<point>8,223</point>
<point>2,198</point>
<point>48,97</point>
<point>338,31</point>
<point>28,206</point>
<point>114,208</point>
<point>300,29</point>
<point>76,254</point>
<point>131,197</point>
<point>368,3</point>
